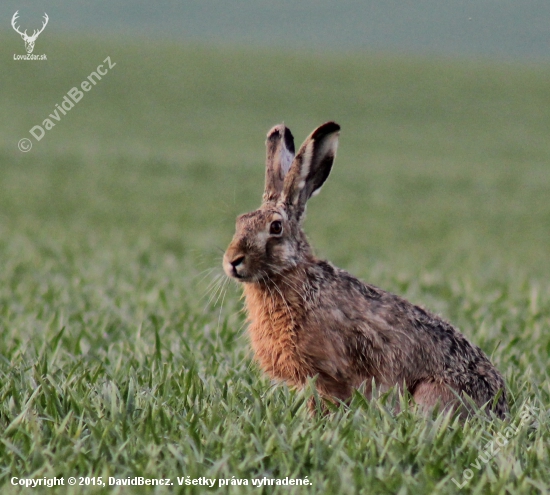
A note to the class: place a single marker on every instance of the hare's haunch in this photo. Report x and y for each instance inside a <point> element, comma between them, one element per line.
<point>309,318</point>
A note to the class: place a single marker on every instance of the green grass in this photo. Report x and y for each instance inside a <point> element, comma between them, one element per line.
<point>116,359</point>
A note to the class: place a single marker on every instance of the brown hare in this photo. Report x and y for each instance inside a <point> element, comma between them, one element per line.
<point>311,319</point>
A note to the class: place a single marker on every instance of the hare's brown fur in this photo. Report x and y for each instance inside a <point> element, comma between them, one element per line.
<point>311,319</point>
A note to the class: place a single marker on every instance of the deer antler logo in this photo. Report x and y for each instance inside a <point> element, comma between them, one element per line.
<point>29,40</point>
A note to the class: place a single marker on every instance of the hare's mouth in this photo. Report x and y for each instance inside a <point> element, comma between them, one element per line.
<point>239,277</point>
<point>235,274</point>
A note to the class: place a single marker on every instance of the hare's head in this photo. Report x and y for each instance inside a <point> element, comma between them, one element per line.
<point>270,240</point>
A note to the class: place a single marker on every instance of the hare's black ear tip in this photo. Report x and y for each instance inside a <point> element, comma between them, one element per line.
<point>326,129</point>
<point>277,131</point>
<point>332,126</point>
<point>281,131</point>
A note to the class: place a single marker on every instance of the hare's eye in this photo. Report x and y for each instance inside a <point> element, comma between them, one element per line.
<point>276,228</point>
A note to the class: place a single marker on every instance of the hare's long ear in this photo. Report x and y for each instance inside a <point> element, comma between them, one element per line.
<point>310,168</point>
<point>279,156</point>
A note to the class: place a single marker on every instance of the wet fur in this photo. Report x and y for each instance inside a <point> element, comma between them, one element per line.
<point>311,319</point>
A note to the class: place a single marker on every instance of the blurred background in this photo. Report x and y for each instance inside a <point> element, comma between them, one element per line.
<point>444,156</point>
<point>502,28</point>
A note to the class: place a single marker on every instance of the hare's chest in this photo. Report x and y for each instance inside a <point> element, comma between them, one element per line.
<point>273,334</point>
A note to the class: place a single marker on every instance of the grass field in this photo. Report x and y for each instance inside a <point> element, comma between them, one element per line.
<point>122,354</point>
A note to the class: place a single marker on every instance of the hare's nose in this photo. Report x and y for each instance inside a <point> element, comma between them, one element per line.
<point>234,266</point>
<point>237,261</point>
